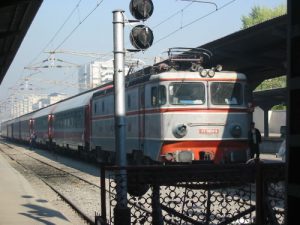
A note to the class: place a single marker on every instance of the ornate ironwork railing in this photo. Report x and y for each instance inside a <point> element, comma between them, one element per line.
<point>198,194</point>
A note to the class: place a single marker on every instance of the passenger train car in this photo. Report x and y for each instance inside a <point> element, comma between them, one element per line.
<point>172,115</point>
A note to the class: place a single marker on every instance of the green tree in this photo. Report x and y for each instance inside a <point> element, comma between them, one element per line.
<point>260,14</point>
<point>257,15</point>
<point>278,82</point>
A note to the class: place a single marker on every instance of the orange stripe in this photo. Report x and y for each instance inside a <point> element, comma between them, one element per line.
<point>216,148</point>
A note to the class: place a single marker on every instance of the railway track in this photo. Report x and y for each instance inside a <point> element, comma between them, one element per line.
<point>77,192</point>
<point>60,181</point>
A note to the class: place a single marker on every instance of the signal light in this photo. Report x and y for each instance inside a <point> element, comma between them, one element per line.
<point>141,9</point>
<point>141,37</point>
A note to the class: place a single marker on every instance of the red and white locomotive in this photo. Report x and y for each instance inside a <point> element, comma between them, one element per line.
<point>177,112</point>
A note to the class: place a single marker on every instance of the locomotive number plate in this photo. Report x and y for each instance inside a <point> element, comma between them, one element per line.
<point>209,131</point>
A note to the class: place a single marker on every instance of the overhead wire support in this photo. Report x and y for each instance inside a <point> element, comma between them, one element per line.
<point>201,2</point>
<point>87,54</point>
<point>58,31</point>
<point>194,21</point>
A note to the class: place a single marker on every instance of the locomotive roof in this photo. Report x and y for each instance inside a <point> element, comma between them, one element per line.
<point>195,75</point>
<point>184,75</point>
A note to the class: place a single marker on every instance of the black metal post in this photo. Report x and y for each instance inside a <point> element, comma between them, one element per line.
<point>260,206</point>
<point>156,208</point>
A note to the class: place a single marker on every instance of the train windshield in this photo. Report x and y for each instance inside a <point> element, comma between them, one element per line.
<point>187,93</point>
<point>225,93</point>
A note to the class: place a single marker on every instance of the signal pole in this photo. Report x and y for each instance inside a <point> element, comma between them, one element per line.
<point>141,38</point>
<point>121,211</point>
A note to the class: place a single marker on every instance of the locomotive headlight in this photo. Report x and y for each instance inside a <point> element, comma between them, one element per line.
<point>236,131</point>
<point>211,73</point>
<point>180,130</point>
<point>169,157</point>
<point>203,73</point>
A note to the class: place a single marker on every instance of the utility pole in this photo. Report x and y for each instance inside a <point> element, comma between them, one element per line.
<point>121,211</point>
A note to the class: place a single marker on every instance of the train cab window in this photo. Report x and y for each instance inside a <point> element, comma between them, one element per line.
<point>187,93</point>
<point>225,93</point>
<point>158,95</point>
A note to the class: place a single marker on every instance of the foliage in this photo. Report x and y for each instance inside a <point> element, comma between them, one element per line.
<point>279,107</point>
<point>260,14</point>
<point>278,82</point>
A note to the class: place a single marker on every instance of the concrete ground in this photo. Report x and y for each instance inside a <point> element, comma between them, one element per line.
<point>20,204</point>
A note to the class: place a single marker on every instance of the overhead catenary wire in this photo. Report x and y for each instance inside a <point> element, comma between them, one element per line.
<point>64,23</point>
<point>76,27</point>
<point>174,14</point>
<point>194,21</point>
<point>183,26</point>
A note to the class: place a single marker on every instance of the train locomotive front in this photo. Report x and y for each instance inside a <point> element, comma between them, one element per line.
<point>204,119</point>
<point>177,116</point>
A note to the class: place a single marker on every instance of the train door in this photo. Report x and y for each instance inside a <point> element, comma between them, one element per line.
<point>31,128</point>
<point>87,126</point>
<point>12,130</point>
<point>50,127</point>
<point>19,127</point>
<point>141,120</point>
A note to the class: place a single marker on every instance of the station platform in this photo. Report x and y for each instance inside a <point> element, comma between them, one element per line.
<point>20,204</point>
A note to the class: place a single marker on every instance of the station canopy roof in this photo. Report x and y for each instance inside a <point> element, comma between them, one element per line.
<point>259,51</point>
<point>15,19</point>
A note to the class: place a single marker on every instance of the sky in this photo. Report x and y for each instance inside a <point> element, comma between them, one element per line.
<point>82,26</point>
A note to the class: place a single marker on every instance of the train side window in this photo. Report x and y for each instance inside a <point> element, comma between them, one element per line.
<point>103,106</point>
<point>162,95</point>
<point>142,98</point>
<point>158,95</point>
<point>128,101</point>
<point>95,108</point>
<point>154,101</point>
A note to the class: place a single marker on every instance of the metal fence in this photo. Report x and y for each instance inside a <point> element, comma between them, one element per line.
<point>198,194</point>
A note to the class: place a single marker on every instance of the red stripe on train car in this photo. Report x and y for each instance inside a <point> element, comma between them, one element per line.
<point>170,110</point>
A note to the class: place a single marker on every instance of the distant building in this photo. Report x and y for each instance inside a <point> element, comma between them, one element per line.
<point>95,74</point>
<point>56,97</point>
<point>31,102</point>
<point>23,104</point>
<point>48,100</point>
